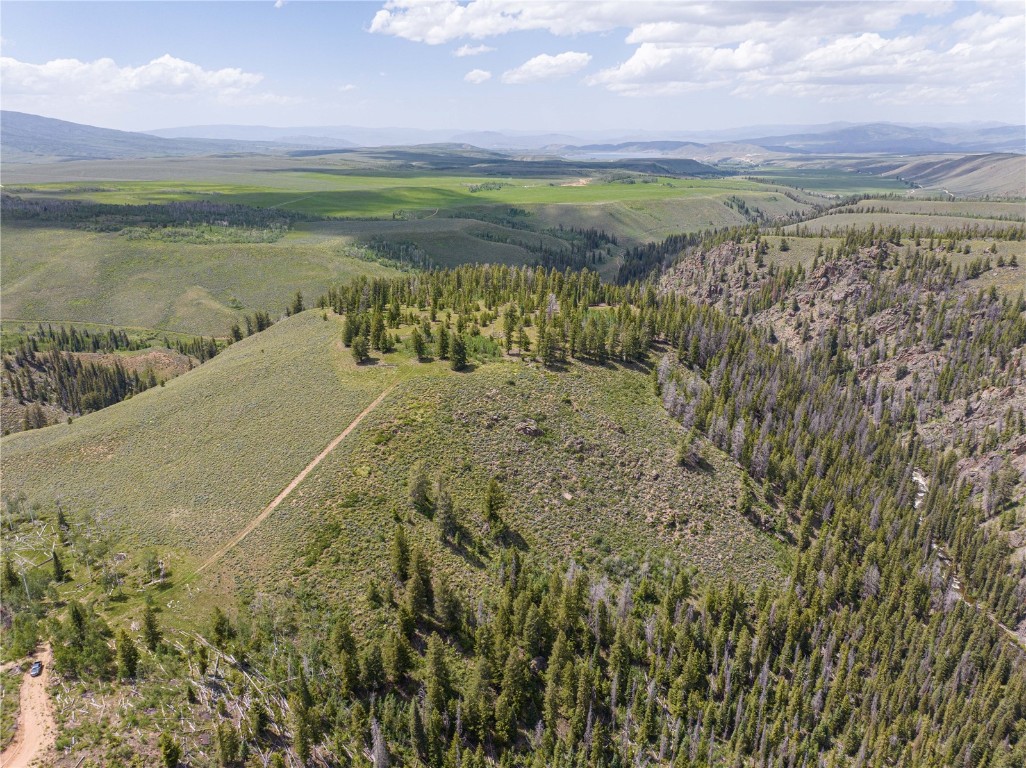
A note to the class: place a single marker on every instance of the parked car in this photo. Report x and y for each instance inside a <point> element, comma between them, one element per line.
<point>37,669</point>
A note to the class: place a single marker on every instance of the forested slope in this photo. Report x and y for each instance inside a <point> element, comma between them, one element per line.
<point>885,642</point>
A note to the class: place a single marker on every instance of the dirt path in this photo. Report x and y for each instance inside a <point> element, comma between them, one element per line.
<point>35,730</point>
<point>291,486</point>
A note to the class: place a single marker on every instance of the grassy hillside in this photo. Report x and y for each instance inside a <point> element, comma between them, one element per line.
<point>1002,175</point>
<point>179,470</point>
<point>55,274</point>
<point>598,483</point>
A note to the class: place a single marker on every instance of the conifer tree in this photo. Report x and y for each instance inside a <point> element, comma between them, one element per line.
<point>58,568</point>
<point>361,349</point>
<point>419,346</point>
<point>400,553</point>
<point>128,655</point>
<point>151,629</point>
<point>458,353</point>
<point>170,750</point>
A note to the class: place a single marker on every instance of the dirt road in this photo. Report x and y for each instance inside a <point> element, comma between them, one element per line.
<point>252,525</point>
<point>35,730</point>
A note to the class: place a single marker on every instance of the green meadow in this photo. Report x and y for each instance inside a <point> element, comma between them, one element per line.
<point>57,275</point>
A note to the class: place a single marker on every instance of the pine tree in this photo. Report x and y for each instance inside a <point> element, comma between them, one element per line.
<point>458,353</point>
<point>151,630</point>
<point>419,346</point>
<point>58,568</point>
<point>493,502</point>
<point>436,674</point>
<point>418,489</point>
<point>508,327</point>
<point>445,516</point>
<point>222,629</point>
<point>523,340</point>
<point>349,330</point>
<point>442,343</point>
<point>400,553</point>
<point>128,656</point>
<point>360,349</point>
<point>377,331</point>
<point>170,750</point>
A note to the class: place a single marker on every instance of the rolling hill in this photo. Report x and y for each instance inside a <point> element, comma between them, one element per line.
<point>232,433</point>
<point>26,138</point>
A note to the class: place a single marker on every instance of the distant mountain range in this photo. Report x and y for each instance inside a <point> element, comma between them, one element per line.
<point>31,138</point>
<point>28,138</point>
<point>832,138</point>
<point>872,138</point>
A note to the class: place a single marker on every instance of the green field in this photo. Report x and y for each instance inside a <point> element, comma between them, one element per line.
<point>59,275</point>
<point>355,196</point>
<point>228,436</point>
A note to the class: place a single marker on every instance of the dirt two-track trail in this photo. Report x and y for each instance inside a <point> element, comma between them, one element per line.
<point>252,525</point>
<point>35,730</point>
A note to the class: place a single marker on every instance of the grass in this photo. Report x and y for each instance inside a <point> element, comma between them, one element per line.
<point>446,241</point>
<point>599,485</point>
<point>184,466</point>
<point>937,222</point>
<point>178,470</point>
<point>10,696</point>
<point>830,181</point>
<point>68,275</point>
<point>977,209</point>
<point>55,274</point>
<point>376,196</point>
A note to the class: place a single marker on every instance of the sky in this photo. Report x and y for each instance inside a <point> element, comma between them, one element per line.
<point>527,66</point>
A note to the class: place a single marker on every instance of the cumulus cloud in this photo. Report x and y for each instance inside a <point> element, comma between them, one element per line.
<point>828,50</point>
<point>471,50</point>
<point>104,78</point>
<point>441,21</point>
<point>477,76</point>
<point>546,67</point>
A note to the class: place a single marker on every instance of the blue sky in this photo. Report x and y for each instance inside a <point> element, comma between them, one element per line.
<point>494,64</point>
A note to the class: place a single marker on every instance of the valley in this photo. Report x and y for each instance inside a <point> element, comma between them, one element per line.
<point>444,456</point>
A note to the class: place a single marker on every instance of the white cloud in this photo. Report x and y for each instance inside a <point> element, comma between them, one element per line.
<point>347,88</point>
<point>279,3</point>
<point>477,76</point>
<point>827,50</point>
<point>472,50</point>
<point>441,21</point>
<point>546,67</point>
<point>104,78</point>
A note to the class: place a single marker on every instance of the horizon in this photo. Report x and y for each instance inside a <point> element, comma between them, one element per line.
<point>577,132</point>
<point>514,67</point>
